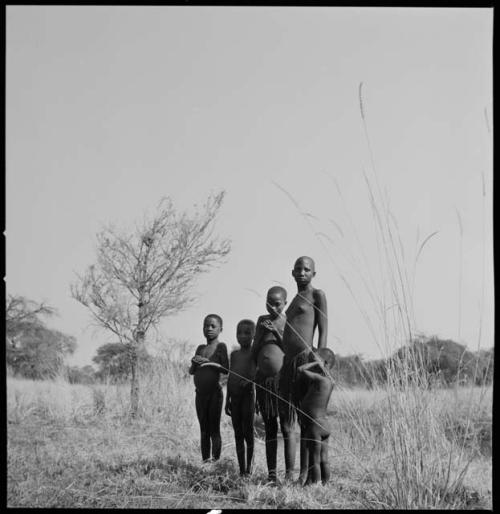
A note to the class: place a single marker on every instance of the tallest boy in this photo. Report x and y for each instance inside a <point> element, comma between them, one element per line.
<point>306,312</point>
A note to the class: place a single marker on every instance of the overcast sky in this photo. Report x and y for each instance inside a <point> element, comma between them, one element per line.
<point>111,108</point>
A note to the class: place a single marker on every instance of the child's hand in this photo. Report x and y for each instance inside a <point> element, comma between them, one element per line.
<point>268,324</point>
<point>198,359</point>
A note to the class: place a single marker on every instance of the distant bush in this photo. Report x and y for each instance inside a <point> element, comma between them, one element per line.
<point>113,362</point>
<point>447,362</point>
<point>33,350</point>
<point>85,375</point>
<point>440,362</point>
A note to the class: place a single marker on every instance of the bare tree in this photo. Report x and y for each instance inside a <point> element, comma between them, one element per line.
<point>146,274</point>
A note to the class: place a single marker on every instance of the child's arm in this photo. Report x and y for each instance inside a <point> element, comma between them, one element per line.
<point>256,345</point>
<point>222,357</point>
<point>308,365</point>
<point>321,316</point>
<point>227,408</point>
<point>195,361</point>
<point>315,364</point>
<point>309,374</point>
<point>268,324</point>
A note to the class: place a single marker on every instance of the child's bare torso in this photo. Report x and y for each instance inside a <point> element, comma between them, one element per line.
<point>315,401</point>
<point>270,355</point>
<point>242,371</point>
<point>206,377</point>
<point>208,350</point>
<point>300,324</point>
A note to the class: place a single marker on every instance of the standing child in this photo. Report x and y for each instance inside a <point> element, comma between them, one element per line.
<point>268,355</point>
<point>240,396</point>
<point>209,361</point>
<point>316,380</point>
<point>306,312</point>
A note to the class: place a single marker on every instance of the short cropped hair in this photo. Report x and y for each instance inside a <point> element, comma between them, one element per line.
<point>216,316</point>
<point>305,257</point>
<point>248,322</point>
<point>277,289</point>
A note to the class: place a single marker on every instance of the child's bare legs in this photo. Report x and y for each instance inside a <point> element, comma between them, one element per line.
<point>242,418</point>
<point>271,427</point>
<point>289,442</point>
<point>304,459</point>
<point>287,414</point>
<point>314,474</point>
<point>238,438</point>
<point>248,419</point>
<point>202,403</point>
<point>208,410</point>
<point>325,465</point>
<point>317,444</point>
<point>215,411</point>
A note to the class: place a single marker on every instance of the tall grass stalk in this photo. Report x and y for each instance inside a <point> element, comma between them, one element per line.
<point>428,466</point>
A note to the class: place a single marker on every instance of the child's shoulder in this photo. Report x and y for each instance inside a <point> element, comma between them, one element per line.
<point>318,293</point>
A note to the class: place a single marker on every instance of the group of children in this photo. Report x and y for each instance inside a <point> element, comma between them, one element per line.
<point>276,372</point>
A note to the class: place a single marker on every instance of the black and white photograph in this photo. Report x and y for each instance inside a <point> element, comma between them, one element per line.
<point>249,257</point>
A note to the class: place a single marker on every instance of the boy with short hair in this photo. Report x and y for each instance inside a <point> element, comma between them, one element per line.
<point>268,355</point>
<point>209,361</point>
<point>306,312</point>
<point>240,395</point>
<point>315,379</point>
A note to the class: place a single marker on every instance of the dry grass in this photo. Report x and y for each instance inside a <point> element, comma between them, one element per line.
<point>401,446</point>
<point>424,446</point>
<point>67,449</point>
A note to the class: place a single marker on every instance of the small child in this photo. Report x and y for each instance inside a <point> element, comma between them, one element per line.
<point>209,361</point>
<point>268,355</point>
<point>315,380</point>
<point>240,396</point>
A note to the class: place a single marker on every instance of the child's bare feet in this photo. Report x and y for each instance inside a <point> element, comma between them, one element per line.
<point>301,480</point>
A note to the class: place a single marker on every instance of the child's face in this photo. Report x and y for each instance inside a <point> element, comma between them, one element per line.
<point>211,328</point>
<point>275,303</point>
<point>244,334</point>
<point>303,271</point>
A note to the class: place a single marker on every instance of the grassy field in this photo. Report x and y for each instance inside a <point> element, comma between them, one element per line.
<point>75,446</point>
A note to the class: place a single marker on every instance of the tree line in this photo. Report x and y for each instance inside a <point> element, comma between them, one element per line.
<point>38,352</point>
<point>439,362</point>
<point>146,273</point>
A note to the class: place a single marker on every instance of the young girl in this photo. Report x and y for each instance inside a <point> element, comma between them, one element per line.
<point>209,361</point>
